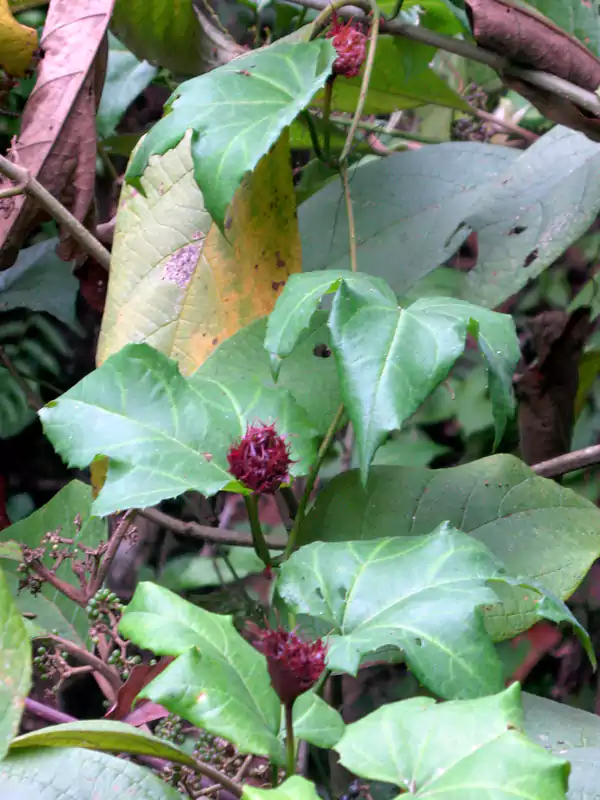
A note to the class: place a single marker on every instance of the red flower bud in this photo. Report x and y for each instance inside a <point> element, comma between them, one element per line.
<point>261,459</point>
<point>351,46</point>
<point>294,665</point>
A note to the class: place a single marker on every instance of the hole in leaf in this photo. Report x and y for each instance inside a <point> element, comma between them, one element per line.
<point>531,257</point>
<point>321,351</point>
<point>517,229</point>
<point>419,642</point>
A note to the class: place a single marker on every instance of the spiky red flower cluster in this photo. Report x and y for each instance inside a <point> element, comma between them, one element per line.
<point>350,45</point>
<point>261,459</point>
<point>294,664</point>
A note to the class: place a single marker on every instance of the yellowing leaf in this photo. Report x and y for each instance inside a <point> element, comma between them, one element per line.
<point>17,42</point>
<point>175,281</point>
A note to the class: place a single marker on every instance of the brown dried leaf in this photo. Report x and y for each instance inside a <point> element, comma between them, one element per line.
<point>527,38</point>
<point>547,387</point>
<point>57,143</point>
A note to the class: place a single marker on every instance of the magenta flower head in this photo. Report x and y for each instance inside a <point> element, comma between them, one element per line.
<point>294,664</point>
<point>261,459</point>
<point>350,45</point>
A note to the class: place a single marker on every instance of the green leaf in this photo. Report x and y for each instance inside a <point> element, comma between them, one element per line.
<point>175,282</point>
<point>300,299</point>
<point>41,281</point>
<point>528,217</point>
<point>536,528</point>
<point>571,734</point>
<point>401,78</point>
<point>105,735</point>
<point>164,434</point>
<point>401,235</point>
<point>191,571</point>
<point>409,448</point>
<point>243,357</point>
<point>161,31</point>
<point>390,359</point>
<point>420,595</point>
<point>219,681</point>
<point>237,117</point>
<point>574,17</point>
<point>51,608</point>
<point>56,774</point>
<point>466,748</point>
<point>15,666</point>
<point>294,788</point>
<point>317,722</point>
<point>497,338</point>
<point>126,78</point>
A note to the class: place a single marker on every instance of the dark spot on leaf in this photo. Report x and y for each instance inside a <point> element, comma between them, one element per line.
<point>208,456</point>
<point>244,72</point>
<point>341,592</point>
<point>280,262</point>
<point>319,592</point>
<point>256,266</point>
<point>215,340</point>
<point>517,230</point>
<point>321,351</point>
<point>531,257</point>
<point>419,642</point>
<point>228,223</point>
<point>276,285</point>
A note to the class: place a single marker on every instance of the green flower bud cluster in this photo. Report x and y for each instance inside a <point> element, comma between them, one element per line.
<point>101,603</point>
<point>170,729</point>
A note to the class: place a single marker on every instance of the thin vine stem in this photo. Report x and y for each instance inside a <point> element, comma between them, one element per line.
<point>329,9</point>
<point>310,482</point>
<point>258,538</point>
<point>328,96</point>
<point>460,47</point>
<point>366,79</point>
<point>350,215</point>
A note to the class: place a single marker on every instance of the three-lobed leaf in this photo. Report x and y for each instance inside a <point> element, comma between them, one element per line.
<point>237,112</point>
<point>391,358</point>
<point>300,299</point>
<point>466,748</point>
<point>164,434</point>
<point>537,528</point>
<point>420,595</point>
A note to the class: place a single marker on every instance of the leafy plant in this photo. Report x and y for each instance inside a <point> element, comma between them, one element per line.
<point>315,344</point>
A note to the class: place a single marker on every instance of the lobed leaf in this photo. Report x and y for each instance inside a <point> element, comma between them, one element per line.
<point>390,358</point>
<point>162,433</point>
<point>237,112</point>
<point>538,529</point>
<point>420,595</point>
<point>466,748</point>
